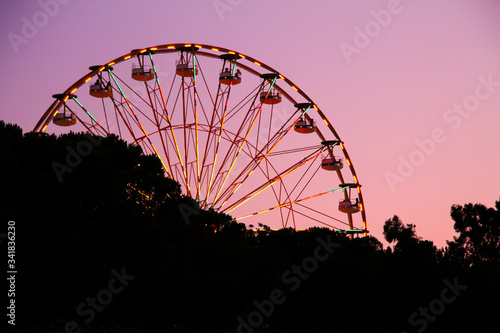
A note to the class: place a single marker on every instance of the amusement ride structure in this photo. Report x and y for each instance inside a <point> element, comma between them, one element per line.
<point>238,135</point>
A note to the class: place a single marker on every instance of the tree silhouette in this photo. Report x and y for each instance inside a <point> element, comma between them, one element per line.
<point>479,229</point>
<point>395,230</point>
<point>197,270</point>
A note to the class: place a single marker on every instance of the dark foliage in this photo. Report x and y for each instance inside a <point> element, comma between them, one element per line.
<point>193,270</point>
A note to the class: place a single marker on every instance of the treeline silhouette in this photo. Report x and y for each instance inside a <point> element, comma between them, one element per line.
<point>106,243</point>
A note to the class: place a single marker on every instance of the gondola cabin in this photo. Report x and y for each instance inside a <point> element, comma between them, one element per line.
<point>97,90</point>
<point>270,98</point>
<point>227,78</point>
<point>61,119</point>
<point>141,74</point>
<point>331,164</point>
<point>302,126</point>
<point>349,206</point>
<point>185,70</point>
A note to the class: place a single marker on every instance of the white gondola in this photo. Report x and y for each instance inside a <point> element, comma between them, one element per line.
<point>100,91</point>
<point>61,119</point>
<point>271,98</point>
<point>303,127</point>
<point>142,74</point>
<point>331,164</point>
<point>349,206</point>
<point>185,70</point>
<point>226,77</point>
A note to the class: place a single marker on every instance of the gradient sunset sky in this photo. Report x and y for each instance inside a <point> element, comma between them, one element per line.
<point>413,88</point>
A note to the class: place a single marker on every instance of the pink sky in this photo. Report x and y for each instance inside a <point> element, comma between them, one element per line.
<point>400,85</point>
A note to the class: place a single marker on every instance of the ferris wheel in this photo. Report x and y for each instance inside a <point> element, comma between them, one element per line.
<point>239,136</point>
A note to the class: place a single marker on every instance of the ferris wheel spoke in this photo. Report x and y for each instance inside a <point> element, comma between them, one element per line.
<point>278,196</point>
<point>93,126</point>
<point>290,203</point>
<point>323,214</point>
<point>313,219</point>
<point>116,112</point>
<point>195,96</point>
<point>124,118</point>
<point>157,122</point>
<point>94,122</point>
<point>248,122</point>
<point>105,115</point>
<point>273,180</point>
<point>307,183</point>
<point>264,152</point>
<point>138,121</point>
<point>221,131</point>
<point>209,142</point>
<point>240,106</point>
<point>185,128</point>
<point>166,115</point>
<point>132,105</point>
<point>211,145</point>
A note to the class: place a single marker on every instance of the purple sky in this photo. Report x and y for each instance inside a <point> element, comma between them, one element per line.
<point>389,91</point>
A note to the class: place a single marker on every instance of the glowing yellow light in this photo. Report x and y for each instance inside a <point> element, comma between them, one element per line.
<point>154,48</point>
<point>361,206</point>
<point>74,89</point>
<point>342,145</point>
<point>276,179</point>
<point>359,190</point>
<point>326,122</point>
<point>187,45</point>
<point>315,107</point>
<point>102,68</point>
<point>88,79</point>
<point>140,192</point>
<point>214,49</point>
<point>56,112</point>
<point>241,55</point>
<point>355,178</point>
<point>348,162</point>
<point>198,46</point>
<point>127,57</point>
<point>143,50</point>
<point>111,63</point>
<point>171,47</point>
<point>44,127</point>
<point>255,62</point>
<point>282,77</point>
<point>65,98</point>
<point>231,52</point>
<point>295,88</point>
